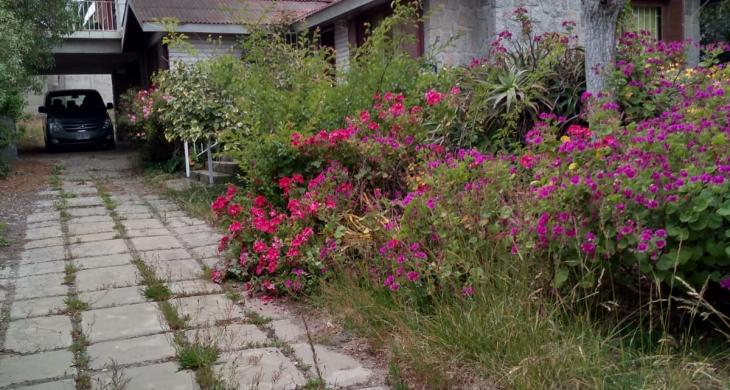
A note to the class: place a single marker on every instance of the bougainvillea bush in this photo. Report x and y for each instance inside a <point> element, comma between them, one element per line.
<point>610,203</point>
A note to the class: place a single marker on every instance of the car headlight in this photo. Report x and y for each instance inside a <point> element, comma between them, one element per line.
<point>107,124</point>
<point>55,126</point>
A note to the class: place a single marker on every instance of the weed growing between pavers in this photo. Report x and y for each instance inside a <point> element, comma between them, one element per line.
<point>73,305</point>
<point>3,240</point>
<point>257,319</point>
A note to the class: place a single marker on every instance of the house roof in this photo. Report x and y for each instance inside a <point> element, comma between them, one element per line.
<point>224,12</point>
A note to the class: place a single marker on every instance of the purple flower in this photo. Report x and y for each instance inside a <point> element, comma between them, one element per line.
<point>413,276</point>
<point>661,233</point>
<point>725,283</point>
<point>642,247</point>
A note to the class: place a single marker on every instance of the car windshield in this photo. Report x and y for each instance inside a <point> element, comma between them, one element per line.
<point>75,103</point>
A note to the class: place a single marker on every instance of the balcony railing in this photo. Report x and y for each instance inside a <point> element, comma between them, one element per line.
<point>97,15</point>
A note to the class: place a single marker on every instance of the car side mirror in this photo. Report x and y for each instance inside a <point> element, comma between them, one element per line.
<point>42,109</point>
<point>109,106</point>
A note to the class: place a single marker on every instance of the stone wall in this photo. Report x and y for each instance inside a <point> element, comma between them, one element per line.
<point>467,23</point>
<point>548,14</point>
<point>692,29</point>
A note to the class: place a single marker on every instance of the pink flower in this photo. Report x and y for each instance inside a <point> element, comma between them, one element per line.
<point>725,283</point>
<point>455,90</point>
<point>413,276</point>
<point>467,291</point>
<point>234,227</point>
<point>216,276</point>
<point>397,109</point>
<point>527,161</point>
<point>433,97</point>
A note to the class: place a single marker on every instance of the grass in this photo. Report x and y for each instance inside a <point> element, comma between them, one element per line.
<point>195,355</point>
<point>3,241</point>
<point>195,199</point>
<point>257,319</point>
<point>69,276</point>
<point>506,336</point>
<point>74,304</point>
<point>171,315</point>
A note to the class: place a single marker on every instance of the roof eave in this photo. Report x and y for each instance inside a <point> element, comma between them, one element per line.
<point>200,28</point>
<point>336,10</point>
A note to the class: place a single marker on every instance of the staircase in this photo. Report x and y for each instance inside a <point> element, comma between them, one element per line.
<point>223,172</point>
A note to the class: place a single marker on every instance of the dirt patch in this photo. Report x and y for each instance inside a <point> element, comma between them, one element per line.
<point>17,194</point>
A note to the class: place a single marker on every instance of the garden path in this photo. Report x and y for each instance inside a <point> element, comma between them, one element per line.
<point>75,313</point>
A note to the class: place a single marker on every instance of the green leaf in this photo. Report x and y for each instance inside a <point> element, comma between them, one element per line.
<point>561,276</point>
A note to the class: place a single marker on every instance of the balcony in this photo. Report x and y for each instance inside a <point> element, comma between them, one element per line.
<point>100,19</point>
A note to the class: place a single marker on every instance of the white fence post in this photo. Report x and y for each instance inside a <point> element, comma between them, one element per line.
<point>187,160</point>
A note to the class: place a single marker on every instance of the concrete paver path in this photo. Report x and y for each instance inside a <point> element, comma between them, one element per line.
<point>79,247</point>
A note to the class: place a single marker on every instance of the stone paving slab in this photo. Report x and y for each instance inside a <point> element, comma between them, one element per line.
<point>39,255</point>
<point>205,251</point>
<point>162,376</point>
<point>67,384</point>
<point>289,330</point>
<point>137,216</point>
<point>230,337</point>
<point>210,262</point>
<point>337,368</point>
<point>48,267</point>
<point>155,243</point>
<point>134,350</point>
<point>43,232</point>
<point>200,239</point>
<point>208,309</point>
<point>16,369</point>
<point>44,224</point>
<point>39,286</point>
<point>6,271</point>
<point>149,223</point>
<point>46,242</point>
<point>193,287</point>
<point>167,254</point>
<point>175,222</point>
<point>121,322</point>
<point>38,334</point>
<point>132,209</point>
<point>270,309</point>
<point>85,201</point>
<point>93,279</point>
<point>94,237</point>
<point>147,232</point>
<point>192,229</point>
<point>263,368</point>
<point>77,229</point>
<point>103,261</point>
<point>90,219</point>
<point>174,270</point>
<point>37,307</point>
<point>166,214</point>
<point>86,211</point>
<point>43,217</point>
<point>98,248</point>
<point>112,297</point>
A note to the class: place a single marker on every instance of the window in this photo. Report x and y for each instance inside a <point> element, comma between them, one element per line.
<point>648,19</point>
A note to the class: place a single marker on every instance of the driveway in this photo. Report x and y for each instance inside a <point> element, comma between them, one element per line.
<point>103,286</point>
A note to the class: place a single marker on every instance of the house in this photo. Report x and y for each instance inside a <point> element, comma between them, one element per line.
<point>472,24</point>
<point>124,38</point>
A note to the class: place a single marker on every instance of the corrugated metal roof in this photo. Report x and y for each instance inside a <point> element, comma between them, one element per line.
<point>225,11</point>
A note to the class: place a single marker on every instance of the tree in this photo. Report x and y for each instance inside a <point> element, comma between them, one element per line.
<point>599,19</point>
<point>28,31</point>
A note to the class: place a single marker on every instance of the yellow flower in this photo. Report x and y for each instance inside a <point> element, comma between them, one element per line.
<point>572,166</point>
<point>565,139</point>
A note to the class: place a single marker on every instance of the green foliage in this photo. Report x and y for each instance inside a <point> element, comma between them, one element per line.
<point>715,21</point>
<point>522,77</point>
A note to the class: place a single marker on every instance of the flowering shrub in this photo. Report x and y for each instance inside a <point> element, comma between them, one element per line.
<point>140,118</point>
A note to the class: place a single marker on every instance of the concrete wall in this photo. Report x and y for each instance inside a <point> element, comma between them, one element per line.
<point>99,82</point>
<point>203,48</point>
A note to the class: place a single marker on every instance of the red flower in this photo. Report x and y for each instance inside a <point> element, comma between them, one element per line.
<point>527,161</point>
